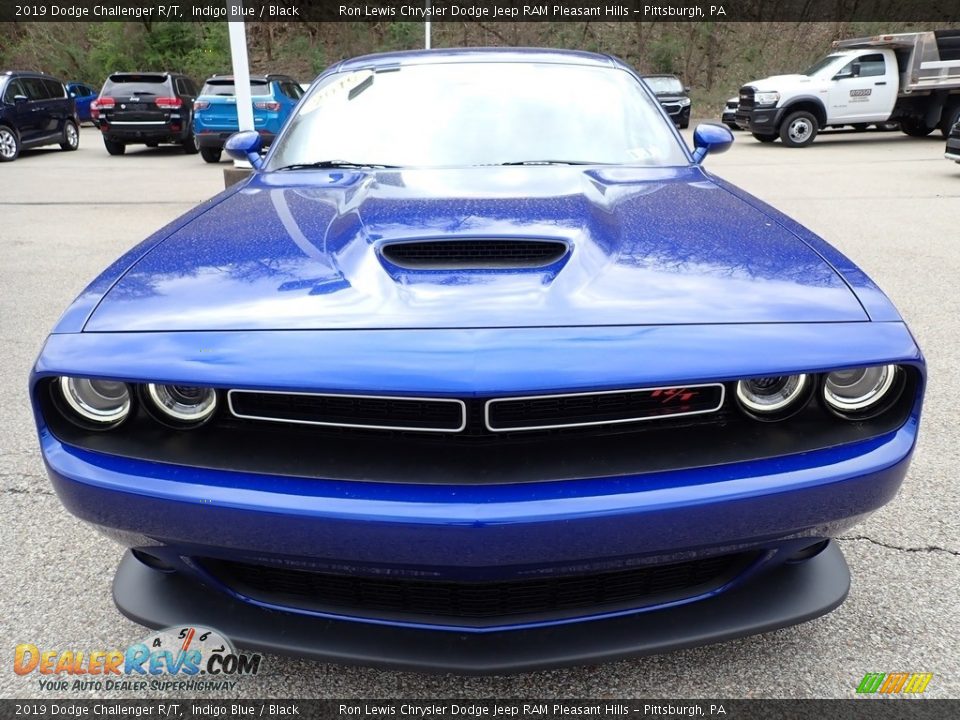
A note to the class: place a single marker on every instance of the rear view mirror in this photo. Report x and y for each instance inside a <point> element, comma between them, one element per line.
<point>710,138</point>
<point>245,145</point>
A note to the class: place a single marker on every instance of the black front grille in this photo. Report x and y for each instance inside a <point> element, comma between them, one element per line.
<point>541,597</point>
<point>747,97</point>
<point>605,407</point>
<point>474,253</point>
<point>399,413</point>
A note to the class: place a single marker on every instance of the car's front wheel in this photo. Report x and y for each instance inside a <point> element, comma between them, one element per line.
<point>211,155</point>
<point>113,147</point>
<point>798,129</point>
<point>765,137</point>
<point>71,136</point>
<point>9,144</point>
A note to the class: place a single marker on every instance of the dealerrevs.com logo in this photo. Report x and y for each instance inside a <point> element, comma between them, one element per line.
<point>189,657</point>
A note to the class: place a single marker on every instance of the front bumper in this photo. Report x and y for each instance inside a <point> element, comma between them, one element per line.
<point>763,121</point>
<point>953,148</point>
<point>793,593</point>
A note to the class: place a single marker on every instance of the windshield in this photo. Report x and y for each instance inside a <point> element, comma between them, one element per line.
<point>462,114</point>
<point>661,84</point>
<point>821,64</point>
<point>227,88</point>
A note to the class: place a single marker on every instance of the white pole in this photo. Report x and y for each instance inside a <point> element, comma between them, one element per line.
<point>241,69</point>
<point>426,28</point>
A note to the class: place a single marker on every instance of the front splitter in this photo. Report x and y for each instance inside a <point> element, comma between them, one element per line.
<point>790,594</point>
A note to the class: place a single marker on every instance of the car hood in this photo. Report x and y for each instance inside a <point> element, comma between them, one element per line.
<point>301,250</point>
<point>778,82</point>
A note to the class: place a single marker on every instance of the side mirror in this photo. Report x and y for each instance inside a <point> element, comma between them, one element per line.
<point>710,138</point>
<point>17,99</point>
<point>686,89</point>
<point>245,146</point>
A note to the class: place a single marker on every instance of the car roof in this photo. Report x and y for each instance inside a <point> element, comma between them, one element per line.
<point>479,55</point>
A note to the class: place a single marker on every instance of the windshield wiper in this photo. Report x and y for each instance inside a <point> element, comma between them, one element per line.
<point>553,162</point>
<point>320,164</point>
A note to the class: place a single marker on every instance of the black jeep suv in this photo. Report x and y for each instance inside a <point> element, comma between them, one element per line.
<point>35,110</point>
<point>145,108</point>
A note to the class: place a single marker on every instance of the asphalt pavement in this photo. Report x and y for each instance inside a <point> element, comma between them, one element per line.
<point>890,202</point>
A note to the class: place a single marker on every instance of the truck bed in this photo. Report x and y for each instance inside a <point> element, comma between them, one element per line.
<point>928,60</point>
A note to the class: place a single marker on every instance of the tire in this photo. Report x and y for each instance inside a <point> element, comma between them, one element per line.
<point>950,118</point>
<point>114,148</point>
<point>913,128</point>
<point>9,144</point>
<point>71,136</point>
<point>211,155</point>
<point>798,129</point>
<point>190,146</point>
<point>765,138</point>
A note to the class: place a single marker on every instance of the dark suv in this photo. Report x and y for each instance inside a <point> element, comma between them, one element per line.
<point>145,108</point>
<point>673,95</point>
<point>35,110</point>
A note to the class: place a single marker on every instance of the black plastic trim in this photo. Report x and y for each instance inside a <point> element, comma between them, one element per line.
<point>789,594</point>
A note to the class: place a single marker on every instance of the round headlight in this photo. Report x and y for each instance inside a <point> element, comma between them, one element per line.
<point>102,403</point>
<point>183,404</point>
<point>772,397</point>
<point>859,390</point>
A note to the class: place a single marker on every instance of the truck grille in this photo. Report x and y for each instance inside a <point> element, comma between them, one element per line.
<point>474,602</point>
<point>747,101</point>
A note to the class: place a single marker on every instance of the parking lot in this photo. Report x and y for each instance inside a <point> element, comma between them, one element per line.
<point>889,202</point>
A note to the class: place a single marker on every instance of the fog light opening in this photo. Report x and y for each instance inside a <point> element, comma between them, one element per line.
<point>152,561</point>
<point>810,551</point>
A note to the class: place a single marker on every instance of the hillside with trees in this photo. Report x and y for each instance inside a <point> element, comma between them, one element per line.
<point>714,59</point>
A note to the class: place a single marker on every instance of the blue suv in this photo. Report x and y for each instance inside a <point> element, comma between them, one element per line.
<point>35,110</point>
<point>215,111</point>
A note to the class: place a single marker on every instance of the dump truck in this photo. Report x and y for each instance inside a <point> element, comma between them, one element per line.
<point>909,78</point>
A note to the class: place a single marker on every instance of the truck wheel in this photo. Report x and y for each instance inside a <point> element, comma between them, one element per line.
<point>914,128</point>
<point>114,148</point>
<point>764,138</point>
<point>798,129</point>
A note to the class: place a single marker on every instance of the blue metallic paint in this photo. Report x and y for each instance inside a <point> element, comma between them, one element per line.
<point>647,249</point>
<point>674,276</point>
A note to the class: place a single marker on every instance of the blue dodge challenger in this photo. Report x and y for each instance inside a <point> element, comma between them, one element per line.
<point>479,371</point>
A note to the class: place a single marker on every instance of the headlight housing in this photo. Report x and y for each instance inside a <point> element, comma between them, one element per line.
<point>861,392</point>
<point>95,403</point>
<point>766,98</point>
<point>683,102</point>
<point>181,405</point>
<point>773,398</point>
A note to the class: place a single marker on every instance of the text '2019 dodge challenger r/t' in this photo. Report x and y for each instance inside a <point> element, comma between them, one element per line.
<point>470,377</point>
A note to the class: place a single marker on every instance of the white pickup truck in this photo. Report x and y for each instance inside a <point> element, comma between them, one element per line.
<point>909,78</point>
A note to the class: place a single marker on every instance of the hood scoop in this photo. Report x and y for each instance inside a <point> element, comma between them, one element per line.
<point>474,254</point>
